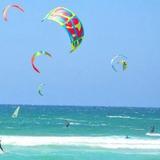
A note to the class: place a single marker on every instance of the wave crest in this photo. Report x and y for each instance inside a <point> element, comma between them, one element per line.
<point>111,142</point>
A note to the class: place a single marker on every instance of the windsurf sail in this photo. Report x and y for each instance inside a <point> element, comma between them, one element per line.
<point>16,112</point>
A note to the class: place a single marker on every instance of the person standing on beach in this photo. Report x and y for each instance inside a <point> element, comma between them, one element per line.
<point>1,146</point>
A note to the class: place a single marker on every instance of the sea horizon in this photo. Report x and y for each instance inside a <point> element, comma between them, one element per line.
<point>70,105</point>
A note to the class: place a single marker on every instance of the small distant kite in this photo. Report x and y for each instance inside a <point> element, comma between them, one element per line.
<point>40,89</point>
<point>119,60</point>
<point>6,9</point>
<point>68,19</point>
<point>37,54</point>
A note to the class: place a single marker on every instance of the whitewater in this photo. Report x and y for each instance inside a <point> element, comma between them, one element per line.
<point>97,142</point>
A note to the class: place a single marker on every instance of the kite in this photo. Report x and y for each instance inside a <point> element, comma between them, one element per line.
<point>37,54</point>
<point>68,19</point>
<point>5,11</point>
<point>40,88</point>
<point>119,60</point>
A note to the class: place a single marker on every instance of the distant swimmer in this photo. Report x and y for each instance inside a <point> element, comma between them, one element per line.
<point>127,137</point>
<point>152,130</point>
<point>1,146</point>
<point>67,124</point>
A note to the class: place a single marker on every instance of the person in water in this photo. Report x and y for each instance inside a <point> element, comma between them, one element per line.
<point>127,137</point>
<point>152,130</point>
<point>67,124</point>
<point>1,146</point>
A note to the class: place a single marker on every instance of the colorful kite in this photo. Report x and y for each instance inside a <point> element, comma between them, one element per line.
<point>119,60</point>
<point>5,11</point>
<point>68,19</point>
<point>37,54</point>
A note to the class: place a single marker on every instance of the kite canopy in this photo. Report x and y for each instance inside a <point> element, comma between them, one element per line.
<point>6,9</point>
<point>37,54</point>
<point>68,19</point>
<point>119,60</point>
<point>40,89</point>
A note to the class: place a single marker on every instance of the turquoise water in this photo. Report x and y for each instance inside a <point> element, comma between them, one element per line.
<point>94,133</point>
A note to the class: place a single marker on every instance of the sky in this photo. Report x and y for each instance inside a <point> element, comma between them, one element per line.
<point>85,77</point>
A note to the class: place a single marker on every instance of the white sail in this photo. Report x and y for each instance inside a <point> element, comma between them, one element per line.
<point>15,113</point>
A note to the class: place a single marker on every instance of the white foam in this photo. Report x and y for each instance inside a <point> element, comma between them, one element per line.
<point>69,119</point>
<point>97,142</point>
<point>74,123</point>
<point>118,116</point>
<point>138,129</point>
<point>153,134</point>
<point>123,117</point>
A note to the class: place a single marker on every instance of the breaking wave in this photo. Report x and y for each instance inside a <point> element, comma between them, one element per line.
<point>110,142</point>
<point>153,134</point>
<point>123,117</point>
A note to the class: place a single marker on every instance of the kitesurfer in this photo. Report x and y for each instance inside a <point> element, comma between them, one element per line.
<point>67,124</point>
<point>127,137</point>
<point>152,130</point>
<point>1,147</point>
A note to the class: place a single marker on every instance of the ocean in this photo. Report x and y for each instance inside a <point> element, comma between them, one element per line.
<point>94,133</point>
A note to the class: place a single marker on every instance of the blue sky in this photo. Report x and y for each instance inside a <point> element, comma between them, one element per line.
<point>111,27</point>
